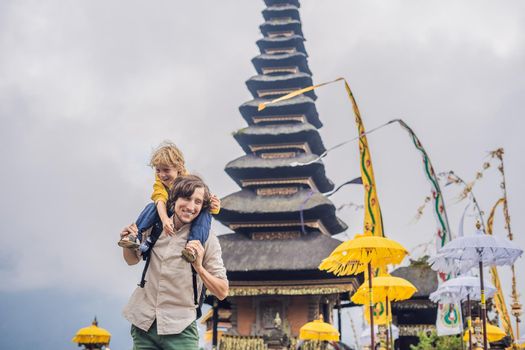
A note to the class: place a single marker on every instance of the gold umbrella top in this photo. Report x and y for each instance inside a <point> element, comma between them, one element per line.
<point>92,335</point>
<point>352,257</point>
<point>318,330</point>
<point>395,288</point>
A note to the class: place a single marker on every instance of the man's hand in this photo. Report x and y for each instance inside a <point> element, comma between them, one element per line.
<point>129,230</point>
<point>197,249</point>
<point>168,226</point>
<point>215,204</point>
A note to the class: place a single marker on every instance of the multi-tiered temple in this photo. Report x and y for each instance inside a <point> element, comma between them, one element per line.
<point>283,223</point>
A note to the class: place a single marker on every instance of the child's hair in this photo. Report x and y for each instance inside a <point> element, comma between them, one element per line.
<point>184,186</point>
<point>168,154</point>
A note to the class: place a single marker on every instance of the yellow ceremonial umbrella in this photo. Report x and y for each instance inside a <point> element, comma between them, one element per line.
<point>494,333</point>
<point>352,257</point>
<point>318,330</point>
<point>386,288</point>
<point>92,335</point>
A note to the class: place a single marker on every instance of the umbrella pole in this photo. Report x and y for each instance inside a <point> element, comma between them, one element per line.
<point>388,326</point>
<point>339,317</point>
<point>462,325</point>
<point>483,306</point>
<point>372,343</point>
<point>469,322</point>
<point>389,310</point>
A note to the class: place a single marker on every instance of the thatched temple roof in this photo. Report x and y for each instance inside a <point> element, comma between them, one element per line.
<point>296,59</point>
<point>278,25</point>
<point>282,2</point>
<point>295,106</point>
<point>293,81</point>
<point>296,41</point>
<point>281,11</point>
<point>244,254</point>
<point>253,167</point>
<point>284,133</point>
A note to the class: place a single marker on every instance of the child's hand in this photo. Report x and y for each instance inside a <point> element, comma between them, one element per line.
<point>129,230</point>
<point>198,250</point>
<point>215,204</point>
<point>168,227</point>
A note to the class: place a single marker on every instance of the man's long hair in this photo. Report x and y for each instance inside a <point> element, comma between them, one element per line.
<point>184,186</point>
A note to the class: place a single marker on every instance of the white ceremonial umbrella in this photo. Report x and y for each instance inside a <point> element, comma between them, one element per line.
<point>365,334</point>
<point>463,253</point>
<point>460,289</point>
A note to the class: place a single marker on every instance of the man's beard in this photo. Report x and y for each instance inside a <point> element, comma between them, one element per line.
<point>176,218</point>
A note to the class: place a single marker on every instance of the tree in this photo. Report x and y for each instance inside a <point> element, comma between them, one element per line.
<point>431,341</point>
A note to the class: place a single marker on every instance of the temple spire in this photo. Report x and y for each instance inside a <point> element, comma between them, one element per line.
<point>282,222</point>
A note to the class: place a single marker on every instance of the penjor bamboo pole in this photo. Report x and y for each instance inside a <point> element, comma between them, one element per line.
<point>515,295</point>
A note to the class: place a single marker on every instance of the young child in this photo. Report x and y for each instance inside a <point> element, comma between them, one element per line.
<point>168,162</point>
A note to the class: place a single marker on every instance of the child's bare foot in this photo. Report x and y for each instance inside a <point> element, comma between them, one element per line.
<point>128,241</point>
<point>188,255</point>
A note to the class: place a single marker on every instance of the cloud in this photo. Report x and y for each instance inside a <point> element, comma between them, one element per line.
<point>87,89</point>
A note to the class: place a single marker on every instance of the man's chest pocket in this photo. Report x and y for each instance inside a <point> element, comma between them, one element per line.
<point>176,264</point>
<point>173,257</point>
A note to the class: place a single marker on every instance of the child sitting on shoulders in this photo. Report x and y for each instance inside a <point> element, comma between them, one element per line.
<point>168,162</point>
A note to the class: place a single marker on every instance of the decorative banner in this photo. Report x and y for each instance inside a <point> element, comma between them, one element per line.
<point>373,221</point>
<point>499,299</point>
<point>380,316</point>
<point>448,318</point>
<point>443,228</point>
<point>373,224</point>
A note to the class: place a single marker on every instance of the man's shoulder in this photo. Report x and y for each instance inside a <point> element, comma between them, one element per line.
<point>213,240</point>
<point>212,236</point>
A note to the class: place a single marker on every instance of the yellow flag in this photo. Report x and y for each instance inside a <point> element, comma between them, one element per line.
<point>373,224</point>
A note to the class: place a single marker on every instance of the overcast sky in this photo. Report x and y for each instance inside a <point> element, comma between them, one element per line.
<point>89,88</point>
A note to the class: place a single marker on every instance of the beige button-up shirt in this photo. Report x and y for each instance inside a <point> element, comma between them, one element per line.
<point>168,293</point>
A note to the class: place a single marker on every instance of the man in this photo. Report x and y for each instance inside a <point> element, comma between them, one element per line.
<point>163,313</point>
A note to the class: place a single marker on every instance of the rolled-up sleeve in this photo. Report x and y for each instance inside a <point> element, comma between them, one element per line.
<point>212,261</point>
<point>159,191</point>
